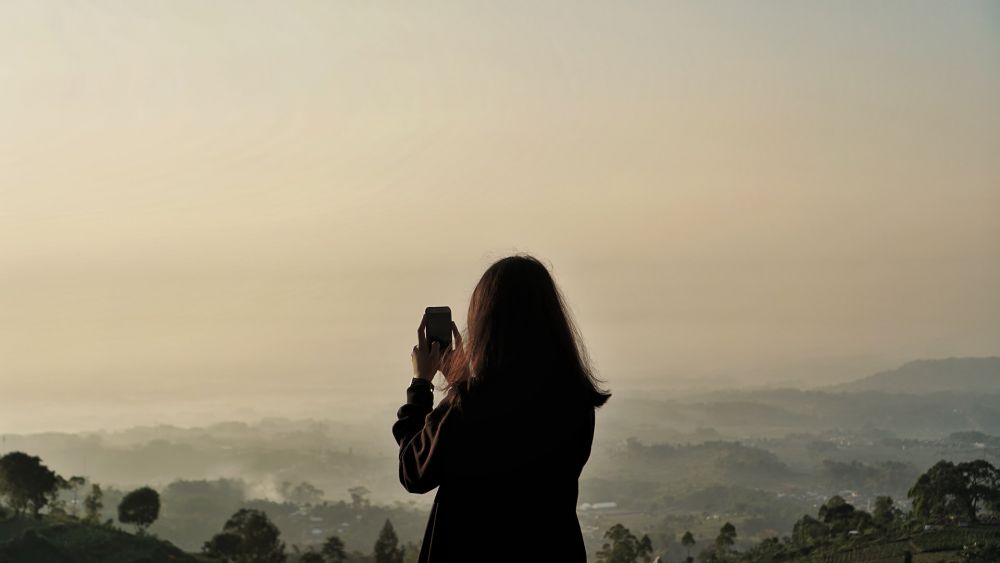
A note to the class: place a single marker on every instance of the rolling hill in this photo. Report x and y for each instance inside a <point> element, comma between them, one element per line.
<point>52,539</point>
<point>957,375</point>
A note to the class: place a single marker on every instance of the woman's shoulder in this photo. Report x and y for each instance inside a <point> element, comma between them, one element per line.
<point>551,410</point>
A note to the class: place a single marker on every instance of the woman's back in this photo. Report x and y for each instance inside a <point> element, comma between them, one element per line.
<point>506,469</point>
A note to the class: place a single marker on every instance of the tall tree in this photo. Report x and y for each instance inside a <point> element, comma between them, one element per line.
<point>74,484</point>
<point>93,504</point>
<point>411,552</point>
<point>688,542</point>
<point>248,536</point>
<point>359,497</point>
<point>726,538</point>
<point>140,507</point>
<point>311,556</point>
<point>387,548</point>
<point>624,547</point>
<point>303,493</point>
<point>55,503</point>
<point>26,482</point>
<point>334,550</point>
<point>884,513</point>
<point>835,510</point>
<point>942,492</point>
<point>809,532</point>
<point>982,484</point>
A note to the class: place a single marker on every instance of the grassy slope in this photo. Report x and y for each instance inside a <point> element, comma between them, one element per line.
<point>932,546</point>
<point>64,540</point>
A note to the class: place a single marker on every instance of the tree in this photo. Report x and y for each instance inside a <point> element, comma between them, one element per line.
<point>93,504</point>
<point>949,491</point>
<point>769,549</point>
<point>26,483</point>
<point>248,536</point>
<point>809,532</point>
<point>311,557</point>
<point>387,548</point>
<point>982,482</point>
<point>841,517</point>
<point>74,483</point>
<point>835,510</point>
<point>303,493</point>
<point>688,542</point>
<point>624,546</point>
<point>645,548</point>
<point>411,552</point>
<point>359,497</point>
<point>225,546</point>
<point>727,536</point>
<point>939,493</point>
<point>140,507</point>
<point>55,503</point>
<point>884,513</point>
<point>334,551</point>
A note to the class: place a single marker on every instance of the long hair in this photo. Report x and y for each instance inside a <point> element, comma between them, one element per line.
<point>521,335</point>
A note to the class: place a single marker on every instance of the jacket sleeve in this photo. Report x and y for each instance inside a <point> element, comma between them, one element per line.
<point>419,430</point>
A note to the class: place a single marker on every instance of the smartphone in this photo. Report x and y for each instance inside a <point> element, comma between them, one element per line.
<point>439,326</point>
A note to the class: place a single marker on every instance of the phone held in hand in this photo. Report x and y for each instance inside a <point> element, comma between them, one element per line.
<point>439,326</point>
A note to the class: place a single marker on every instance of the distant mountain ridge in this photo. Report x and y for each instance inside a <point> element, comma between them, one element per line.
<point>957,375</point>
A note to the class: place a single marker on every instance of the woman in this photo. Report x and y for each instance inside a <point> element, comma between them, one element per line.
<point>506,444</point>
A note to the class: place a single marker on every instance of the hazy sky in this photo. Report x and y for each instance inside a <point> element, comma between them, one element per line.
<point>201,195</point>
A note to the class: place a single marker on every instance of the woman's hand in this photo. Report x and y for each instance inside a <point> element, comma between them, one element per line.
<point>426,360</point>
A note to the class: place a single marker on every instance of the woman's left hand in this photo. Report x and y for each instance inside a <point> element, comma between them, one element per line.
<point>426,359</point>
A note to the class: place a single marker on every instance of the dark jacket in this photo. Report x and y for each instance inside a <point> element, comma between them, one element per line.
<point>506,468</point>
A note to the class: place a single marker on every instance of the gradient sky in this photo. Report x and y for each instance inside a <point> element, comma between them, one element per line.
<point>197,197</point>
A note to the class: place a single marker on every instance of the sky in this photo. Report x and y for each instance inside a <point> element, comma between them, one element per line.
<point>236,204</point>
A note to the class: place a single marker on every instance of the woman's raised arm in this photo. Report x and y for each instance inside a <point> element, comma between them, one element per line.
<point>419,430</point>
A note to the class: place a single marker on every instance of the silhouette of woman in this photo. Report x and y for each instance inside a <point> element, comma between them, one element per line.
<point>506,444</point>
